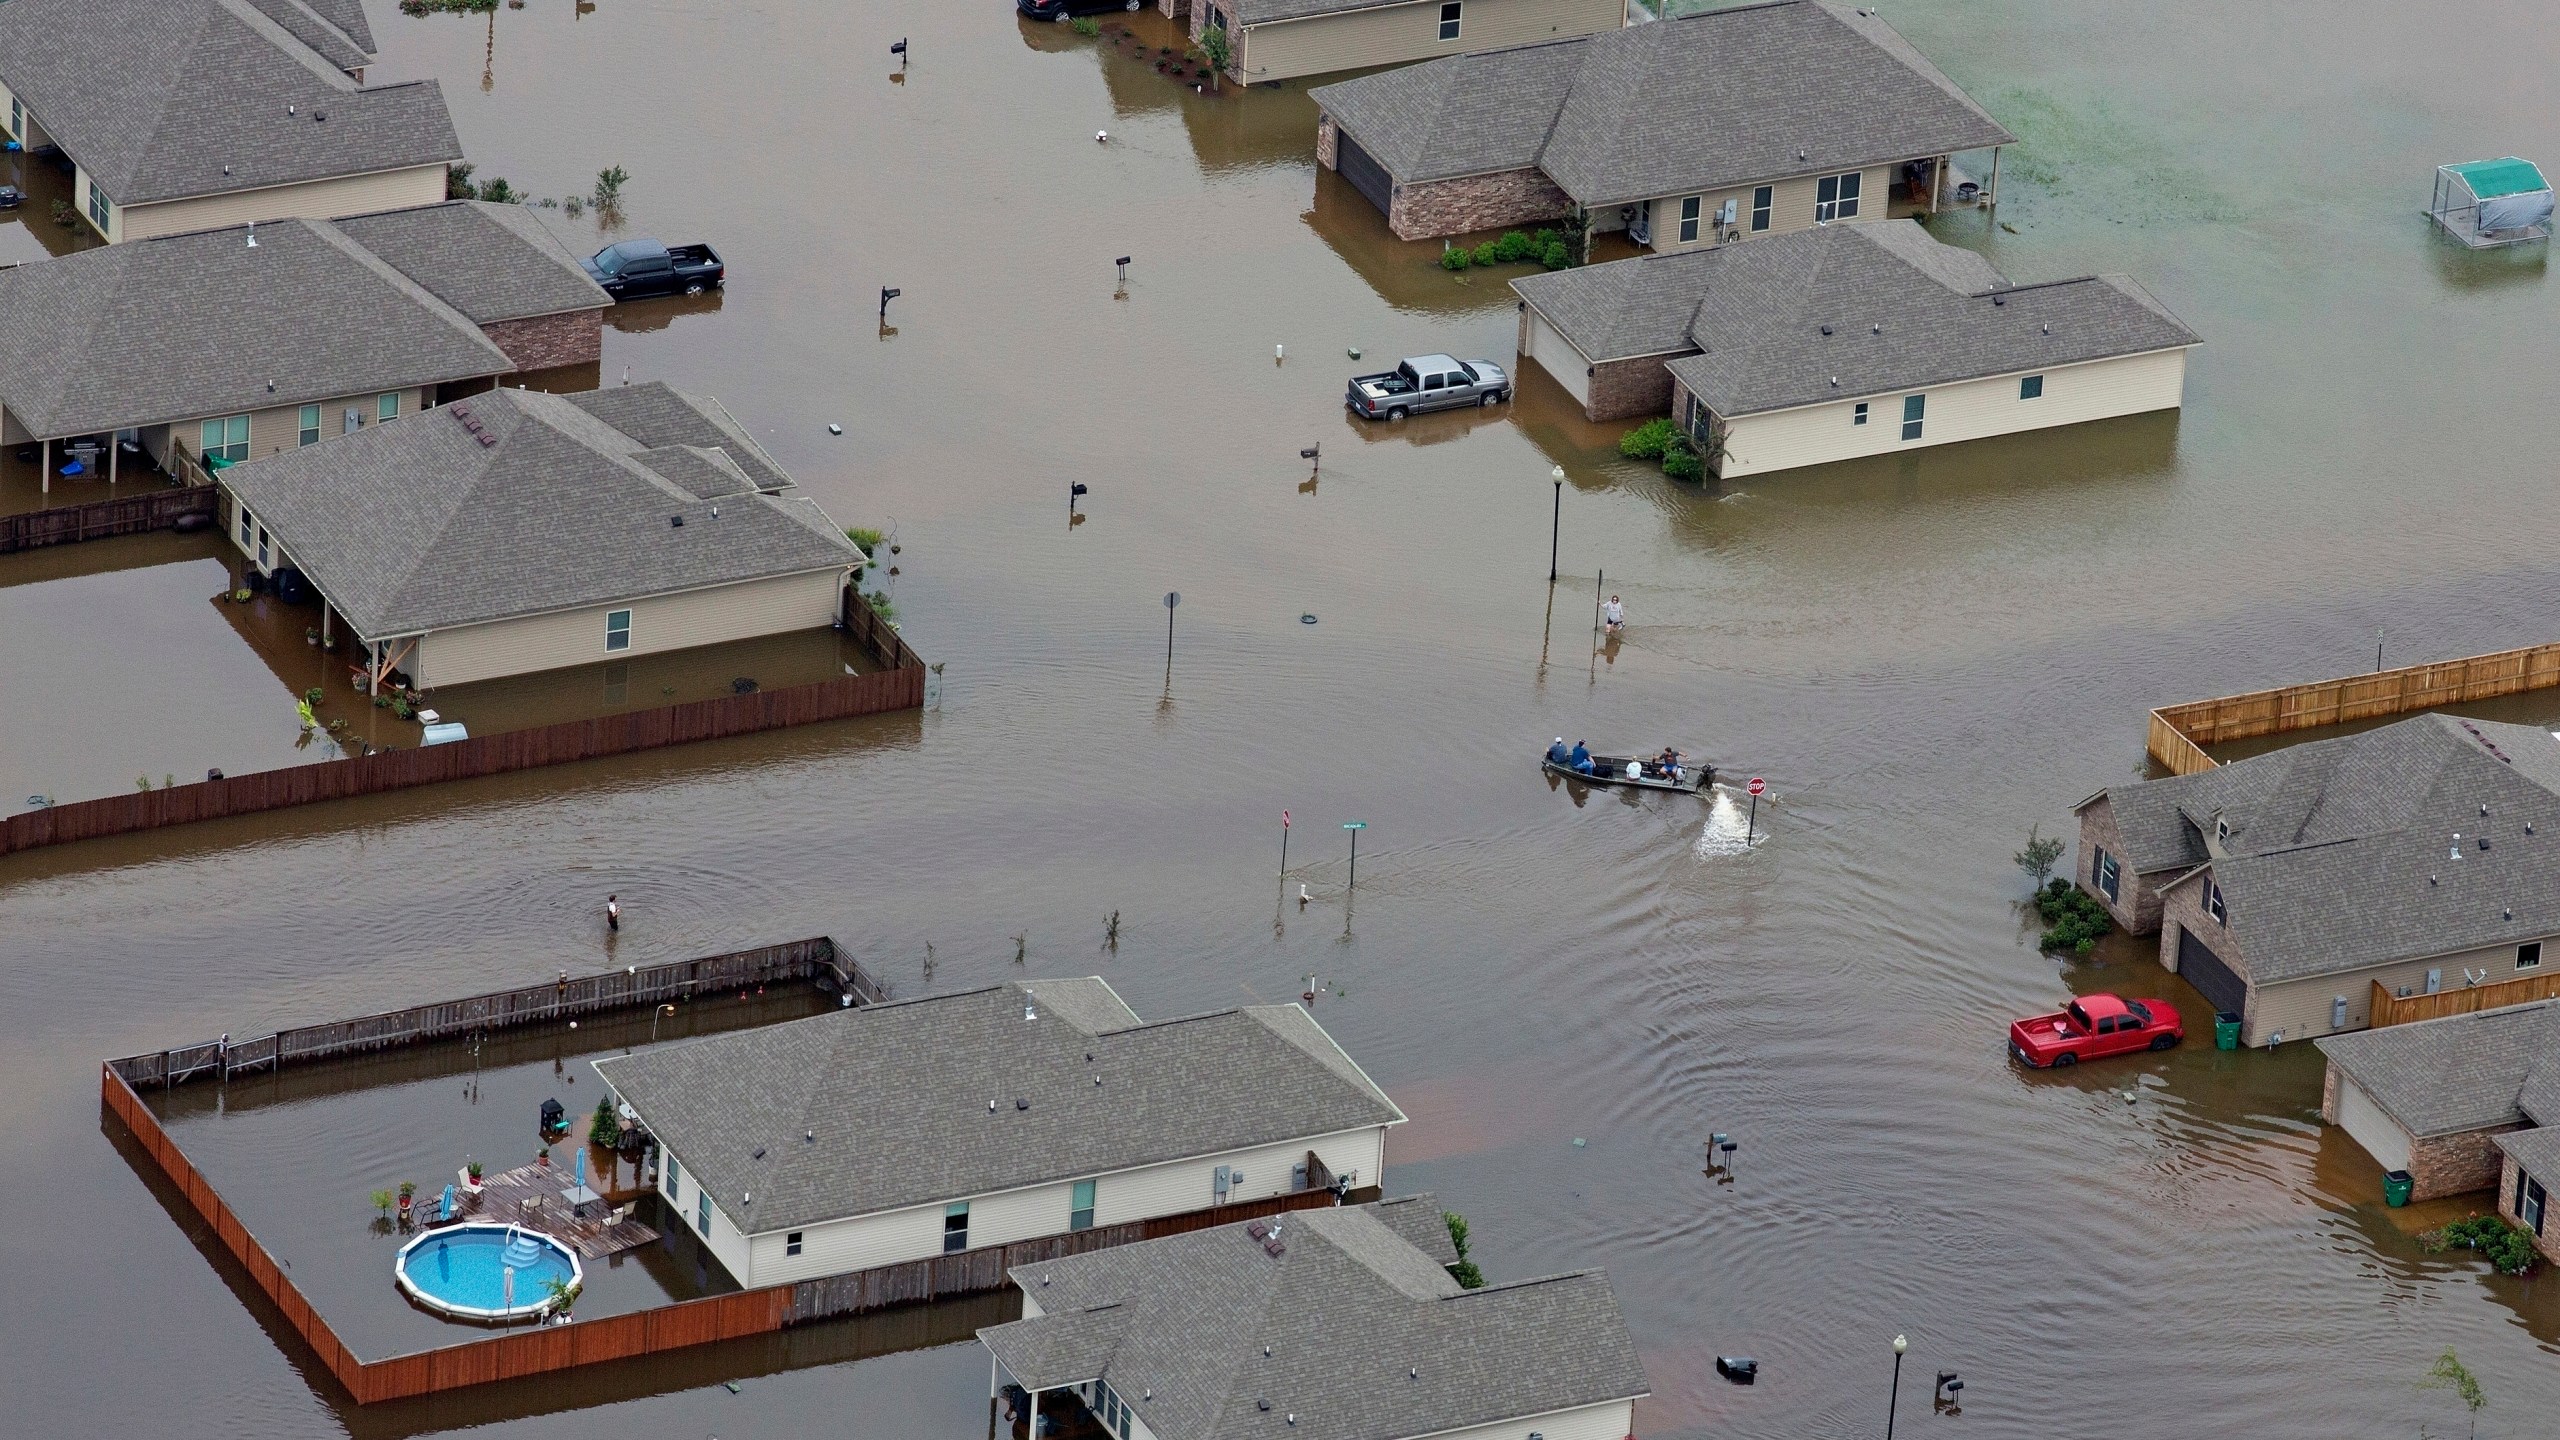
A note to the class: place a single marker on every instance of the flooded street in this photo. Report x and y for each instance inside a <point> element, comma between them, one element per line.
<point>1923,655</point>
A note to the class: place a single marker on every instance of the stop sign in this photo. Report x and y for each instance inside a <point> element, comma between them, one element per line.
<point>1759,786</point>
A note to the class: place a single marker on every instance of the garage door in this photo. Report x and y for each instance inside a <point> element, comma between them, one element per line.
<point>1365,174</point>
<point>2214,980</point>
<point>2379,1134</point>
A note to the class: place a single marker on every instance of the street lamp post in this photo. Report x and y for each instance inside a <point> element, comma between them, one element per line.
<point>1900,1344</point>
<point>1555,535</point>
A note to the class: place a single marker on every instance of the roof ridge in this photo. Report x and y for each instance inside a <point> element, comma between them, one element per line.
<point>401,280</point>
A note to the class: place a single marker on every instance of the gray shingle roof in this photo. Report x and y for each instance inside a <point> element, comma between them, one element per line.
<point>2340,855</point>
<point>491,262</point>
<point>165,99</point>
<point>897,1097</point>
<point>1903,312</point>
<point>188,326</point>
<point>335,30</point>
<point>2537,1151</point>
<point>1704,102</point>
<point>1264,12</point>
<point>2462,1072</point>
<point>414,525</point>
<point>1369,1338</point>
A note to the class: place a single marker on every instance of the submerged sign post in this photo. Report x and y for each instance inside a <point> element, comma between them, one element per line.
<point>1171,599</point>
<point>1751,823</point>
<point>1355,827</point>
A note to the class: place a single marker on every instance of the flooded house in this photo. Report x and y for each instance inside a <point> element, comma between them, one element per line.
<point>1341,1324</point>
<point>222,345</point>
<point>1717,126</point>
<point>2293,888</point>
<point>1283,39</point>
<point>913,1129</point>
<point>182,115</point>
<point>2456,1104</point>
<point>1844,341</point>
<point>518,531</point>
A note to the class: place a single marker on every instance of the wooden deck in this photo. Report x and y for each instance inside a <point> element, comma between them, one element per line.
<point>535,1197</point>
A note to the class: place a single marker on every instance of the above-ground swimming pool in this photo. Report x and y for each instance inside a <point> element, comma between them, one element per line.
<point>485,1272</point>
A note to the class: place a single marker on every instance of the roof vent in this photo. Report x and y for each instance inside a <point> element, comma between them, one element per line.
<point>1876,329</point>
<point>289,109</point>
<point>1097,1079</point>
<point>1412,1373</point>
<point>2507,914</point>
<point>2484,809</point>
<point>2431,879</point>
<point>1266,1352</point>
<point>758,1155</point>
<point>320,115</point>
<point>1261,1404</point>
<point>675,522</point>
<point>1835,382</point>
<point>1030,1011</point>
<point>1826,329</point>
<point>991,1107</point>
<point>2048,329</point>
<point>1999,299</point>
<point>809,1135</point>
<point>2457,844</point>
<point>1151,1394</point>
<point>1293,1417</point>
<point>2528,827</point>
<point>1021,1104</point>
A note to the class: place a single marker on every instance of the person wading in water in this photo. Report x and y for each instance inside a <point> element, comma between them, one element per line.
<point>613,913</point>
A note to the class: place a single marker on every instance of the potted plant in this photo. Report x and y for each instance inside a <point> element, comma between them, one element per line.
<point>408,1194</point>
<point>471,1174</point>
<point>542,1157</point>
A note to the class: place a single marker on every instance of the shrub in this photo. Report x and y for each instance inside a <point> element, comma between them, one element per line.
<point>2039,856</point>
<point>1544,238</point>
<point>1483,254</point>
<point>314,695</point>
<point>1454,259</point>
<point>1085,26</point>
<point>2507,1247</point>
<point>1464,1271</point>
<point>1648,440</point>
<point>609,183</point>
<point>1513,247</point>
<point>499,192</point>
<point>1682,463</point>
<point>457,181</point>
<point>605,1128</point>
<point>2074,921</point>
<point>1555,256</point>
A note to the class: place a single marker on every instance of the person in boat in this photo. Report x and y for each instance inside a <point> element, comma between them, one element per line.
<point>1580,759</point>
<point>1635,768</point>
<point>1557,754</point>
<point>1668,762</point>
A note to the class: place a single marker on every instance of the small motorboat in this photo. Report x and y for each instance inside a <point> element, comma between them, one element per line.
<point>1637,772</point>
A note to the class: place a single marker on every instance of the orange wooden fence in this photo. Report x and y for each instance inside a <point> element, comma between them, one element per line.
<point>2390,1009</point>
<point>2179,733</point>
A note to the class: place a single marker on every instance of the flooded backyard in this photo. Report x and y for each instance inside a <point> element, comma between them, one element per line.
<point>1923,655</point>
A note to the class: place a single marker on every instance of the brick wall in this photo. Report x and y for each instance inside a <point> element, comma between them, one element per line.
<point>2136,907</point>
<point>1429,209</point>
<point>2182,909</point>
<point>1173,9</point>
<point>1625,389</point>
<point>2510,1188</point>
<point>1326,151</point>
<point>572,337</point>
<point>2454,1164</point>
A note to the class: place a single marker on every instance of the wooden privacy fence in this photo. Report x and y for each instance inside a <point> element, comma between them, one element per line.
<point>815,960</point>
<point>2391,1009</point>
<point>153,509</point>
<point>879,693</point>
<point>2179,733</point>
<point>547,1348</point>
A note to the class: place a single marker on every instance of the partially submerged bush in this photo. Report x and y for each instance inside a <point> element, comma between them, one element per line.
<point>1679,462</point>
<point>1454,259</point>
<point>2074,920</point>
<point>1649,440</point>
<point>2507,1247</point>
<point>1487,253</point>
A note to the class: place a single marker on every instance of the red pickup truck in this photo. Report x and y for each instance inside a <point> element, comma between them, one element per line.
<point>2093,1027</point>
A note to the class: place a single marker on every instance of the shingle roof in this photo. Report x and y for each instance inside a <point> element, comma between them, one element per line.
<point>188,326</point>
<point>164,99</point>
<point>897,1096</point>
<point>2536,1151</point>
<point>415,525</point>
<point>1264,12</point>
<point>1369,1338</point>
<point>1902,311</point>
<point>1716,99</point>
<point>2341,851</point>
<point>2462,1072</point>
<point>491,262</point>
<point>336,30</point>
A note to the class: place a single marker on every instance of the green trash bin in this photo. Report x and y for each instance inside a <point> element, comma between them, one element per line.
<point>2226,1031</point>
<point>2395,1188</point>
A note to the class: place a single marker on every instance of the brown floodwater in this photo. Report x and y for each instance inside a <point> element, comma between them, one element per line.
<point>1924,654</point>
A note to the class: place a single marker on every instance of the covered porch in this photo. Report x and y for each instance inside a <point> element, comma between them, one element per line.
<point>1939,183</point>
<point>1051,1408</point>
<point>43,472</point>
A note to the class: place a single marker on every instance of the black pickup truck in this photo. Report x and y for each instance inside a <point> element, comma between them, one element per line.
<point>638,269</point>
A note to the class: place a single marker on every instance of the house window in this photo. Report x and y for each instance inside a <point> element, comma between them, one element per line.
<point>702,1210</point>
<point>2221,830</point>
<point>675,1179</point>
<point>387,407</point>
<point>2031,387</point>
<point>1217,18</point>
<point>1761,199</point>
<point>791,1243</point>
<point>617,630</point>
<point>2529,955</point>
<point>1835,197</point>
<point>2106,873</point>
<point>2531,1201</point>
<point>1858,415</point>
<point>2213,904</point>
<point>1689,219</point>
<point>226,440</point>
<point>1080,1206</point>
<point>248,528</point>
<point>102,213</point>
<point>955,1227</point>
<point>307,430</point>
<point>1449,20</point>
<point>17,118</point>
<point>1915,409</point>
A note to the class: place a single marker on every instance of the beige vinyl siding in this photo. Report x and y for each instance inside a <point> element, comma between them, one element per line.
<point>1614,1420</point>
<point>1791,205</point>
<point>658,623</point>
<point>279,427</point>
<point>1545,344</point>
<point>1962,410</point>
<point>891,1236</point>
<point>2301,1008</point>
<point>724,1242</point>
<point>314,200</point>
<point>35,139</point>
<point>2379,1134</point>
<point>1394,34</point>
<point>80,186</point>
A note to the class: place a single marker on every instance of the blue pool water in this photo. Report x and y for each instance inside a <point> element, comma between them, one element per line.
<point>464,1268</point>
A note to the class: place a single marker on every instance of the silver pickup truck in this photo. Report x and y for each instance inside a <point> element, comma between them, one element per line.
<point>1427,382</point>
